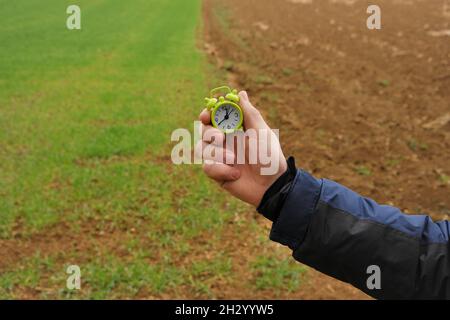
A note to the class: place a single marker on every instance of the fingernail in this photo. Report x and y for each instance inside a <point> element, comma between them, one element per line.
<point>236,174</point>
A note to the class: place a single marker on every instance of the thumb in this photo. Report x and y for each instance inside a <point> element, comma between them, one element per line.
<point>252,116</point>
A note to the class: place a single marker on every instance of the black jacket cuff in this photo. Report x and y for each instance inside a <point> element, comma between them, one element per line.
<point>274,197</point>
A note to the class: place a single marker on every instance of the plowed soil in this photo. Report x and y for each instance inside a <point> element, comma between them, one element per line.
<point>367,108</point>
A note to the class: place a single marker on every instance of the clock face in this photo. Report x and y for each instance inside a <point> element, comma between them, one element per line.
<point>227,117</point>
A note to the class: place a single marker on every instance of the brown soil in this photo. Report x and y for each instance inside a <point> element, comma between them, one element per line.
<point>367,108</point>
<point>83,244</point>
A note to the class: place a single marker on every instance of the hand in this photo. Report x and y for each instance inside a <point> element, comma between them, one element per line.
<point>244,181</point>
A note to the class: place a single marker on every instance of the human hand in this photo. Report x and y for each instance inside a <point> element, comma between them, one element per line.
<point>247,180</point>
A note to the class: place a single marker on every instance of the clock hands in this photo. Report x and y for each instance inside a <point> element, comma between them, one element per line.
<point>228,113</point>
<point>222,120</point>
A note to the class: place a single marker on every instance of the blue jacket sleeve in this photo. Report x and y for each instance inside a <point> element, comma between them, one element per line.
<point>344,235</point>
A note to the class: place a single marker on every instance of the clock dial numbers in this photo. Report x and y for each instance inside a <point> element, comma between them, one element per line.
<point>227,117</point>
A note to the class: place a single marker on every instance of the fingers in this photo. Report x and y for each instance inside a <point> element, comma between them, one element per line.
<point>210,152</point>
<point>213,135</point>
<point>216,158</point>
<point>205,117</point>
<point>252,117</point>
<point>212,146</point>
<point>220,172</point>
<point>207,131</point>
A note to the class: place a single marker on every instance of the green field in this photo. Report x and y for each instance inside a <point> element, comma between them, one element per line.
<point>85,172</point>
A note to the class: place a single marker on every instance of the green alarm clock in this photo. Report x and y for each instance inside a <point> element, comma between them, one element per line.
<point>226,114</point>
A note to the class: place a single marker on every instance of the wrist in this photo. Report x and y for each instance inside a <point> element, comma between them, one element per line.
<point>273,198</point>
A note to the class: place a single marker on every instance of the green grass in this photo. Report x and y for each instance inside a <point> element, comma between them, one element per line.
<point>444,179</point>
<point>27,275</point>
<point>415,145</point>
<point>287,72</point>
<point>115,279</point>
<point>263,79</point>
<point>69,99</point>
<point>276,273</point>
<point>384,83</point>
<point>363,171</point>
<point>85,123</point>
